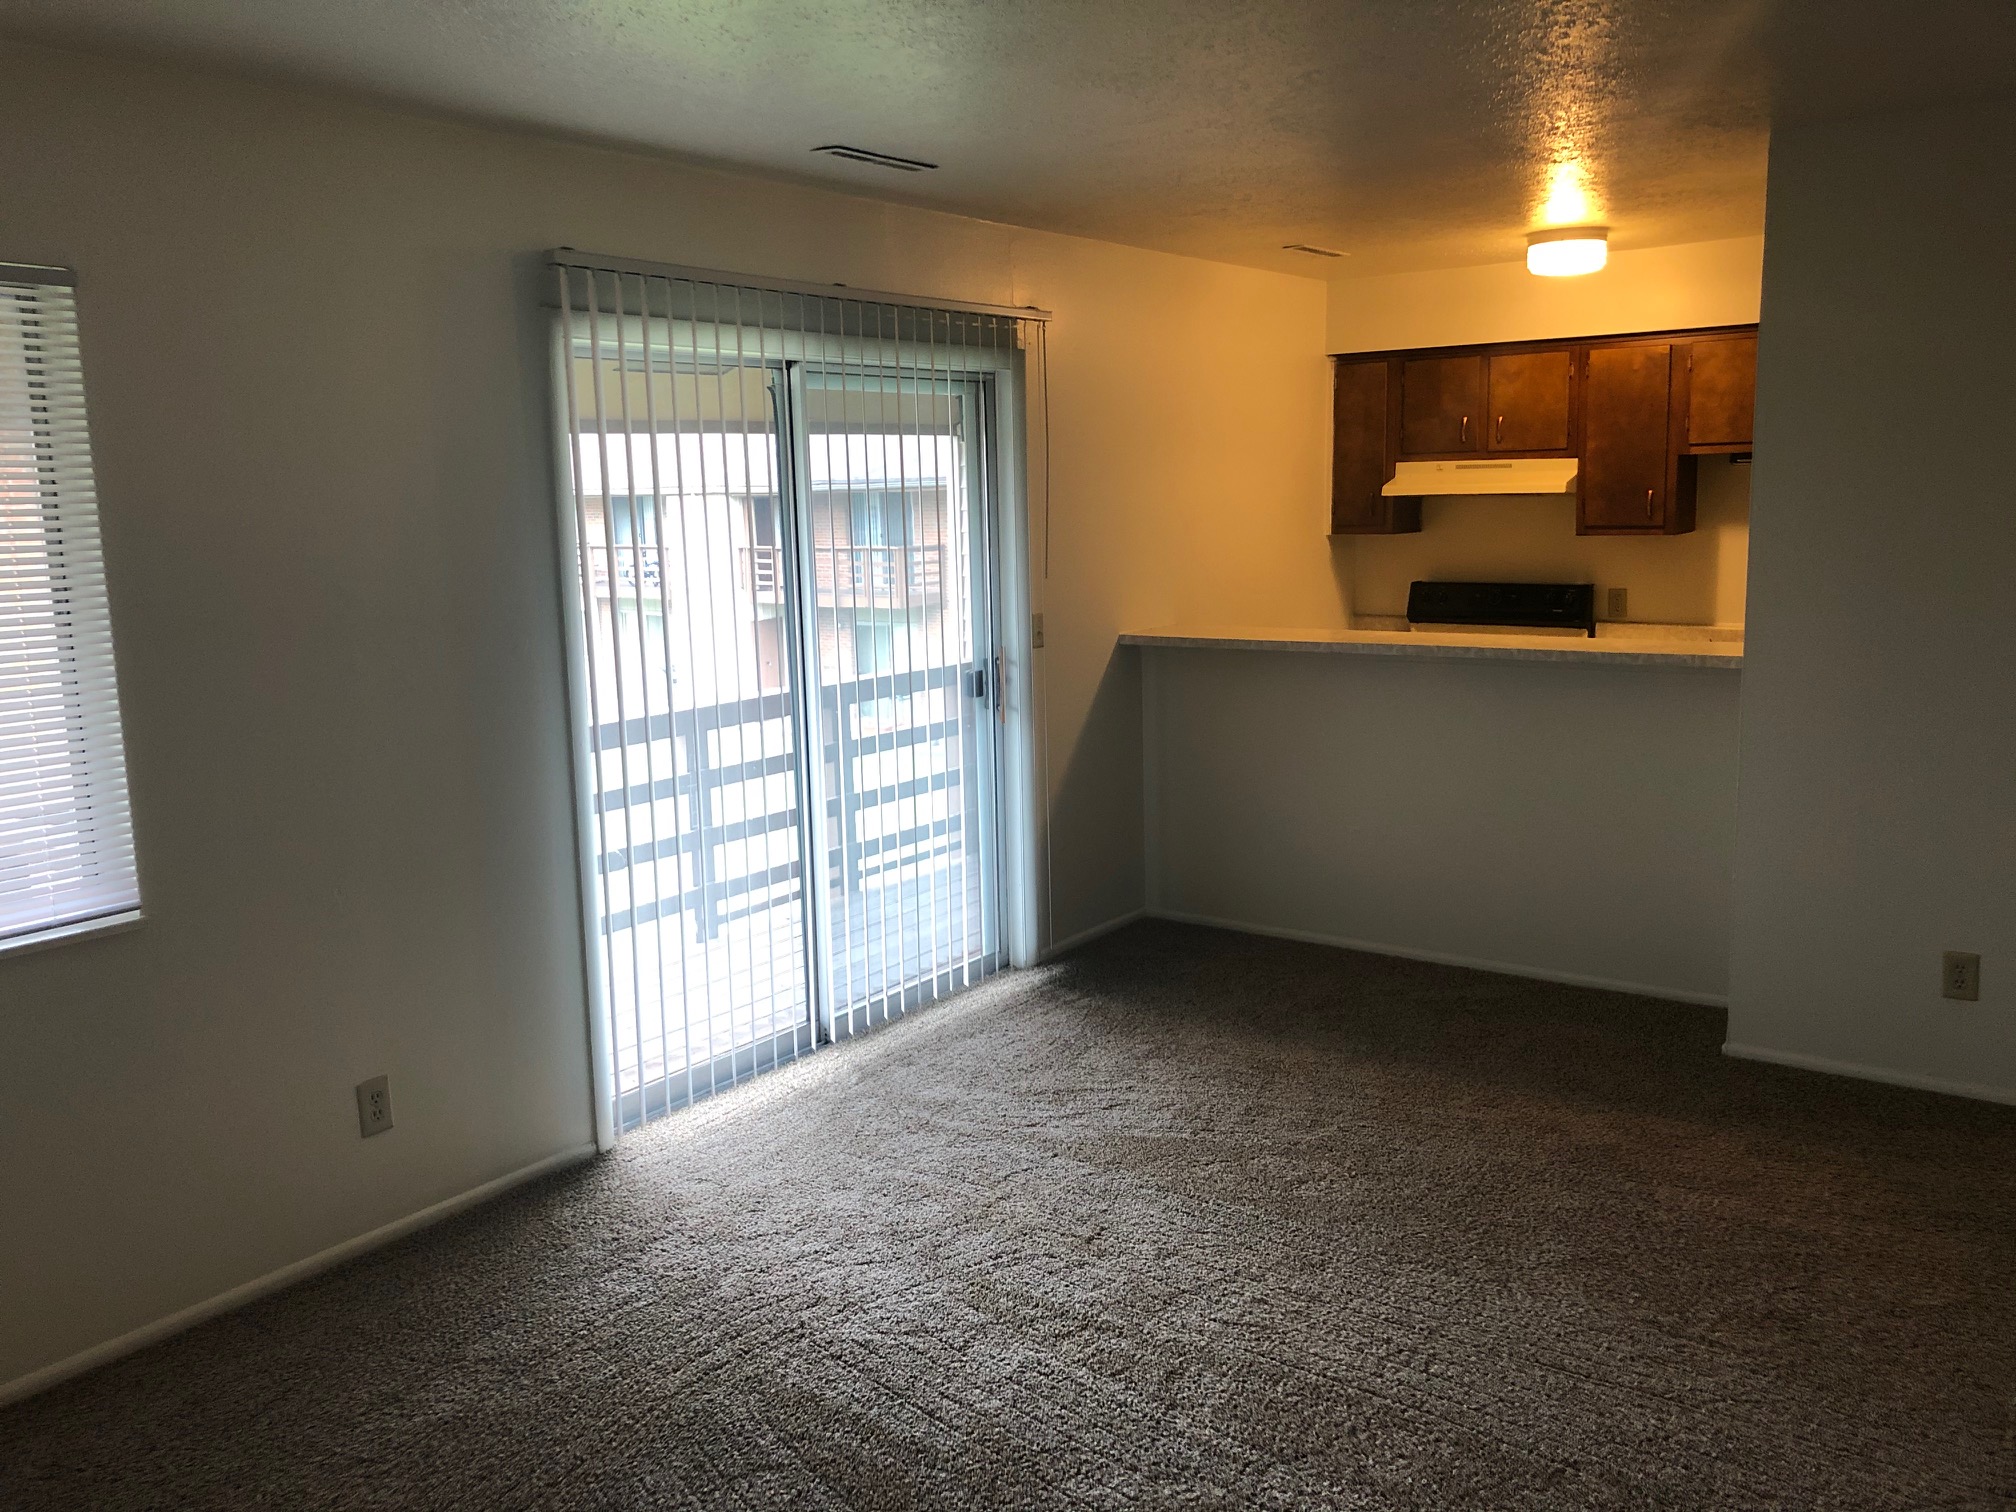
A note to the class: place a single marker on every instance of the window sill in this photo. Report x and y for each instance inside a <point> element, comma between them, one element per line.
<point>64,934</point>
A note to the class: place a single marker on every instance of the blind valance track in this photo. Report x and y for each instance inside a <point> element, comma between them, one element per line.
<point>805,306</point>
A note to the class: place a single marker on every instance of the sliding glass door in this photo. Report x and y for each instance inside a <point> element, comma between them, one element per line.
<point>780,525</point>
<point>901,628</point>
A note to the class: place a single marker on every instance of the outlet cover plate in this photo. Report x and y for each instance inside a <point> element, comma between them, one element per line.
<point>1960,976</point>
<point>374,1106</point>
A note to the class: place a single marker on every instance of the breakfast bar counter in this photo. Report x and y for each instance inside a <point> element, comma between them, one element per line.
<point>1604,649</point>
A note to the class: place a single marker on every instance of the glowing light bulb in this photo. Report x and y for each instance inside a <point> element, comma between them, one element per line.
<point>1568,201</point>
<point>1567,251</point>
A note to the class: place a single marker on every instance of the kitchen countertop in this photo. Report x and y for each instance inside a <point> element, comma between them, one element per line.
<point>1607,649</point>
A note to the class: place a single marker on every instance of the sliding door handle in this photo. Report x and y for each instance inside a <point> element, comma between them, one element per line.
<point>984,682</point>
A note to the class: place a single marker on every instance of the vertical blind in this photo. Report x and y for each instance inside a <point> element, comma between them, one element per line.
<point>66,840</point>
<point>776,506</point>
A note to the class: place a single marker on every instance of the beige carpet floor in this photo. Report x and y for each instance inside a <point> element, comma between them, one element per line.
<point>1187,1220</point>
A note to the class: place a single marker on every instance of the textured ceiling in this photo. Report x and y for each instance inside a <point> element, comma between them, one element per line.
<point>1409,133</point>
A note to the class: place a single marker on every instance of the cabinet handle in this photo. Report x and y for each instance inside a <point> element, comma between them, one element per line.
<point>1501,428</point>
<point>1648,503</point>
<point>1466,430</point>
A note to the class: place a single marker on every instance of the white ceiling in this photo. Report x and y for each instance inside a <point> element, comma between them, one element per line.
<point>1410,133</point>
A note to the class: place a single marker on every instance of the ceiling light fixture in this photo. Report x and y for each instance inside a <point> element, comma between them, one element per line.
<point>1567,251</point>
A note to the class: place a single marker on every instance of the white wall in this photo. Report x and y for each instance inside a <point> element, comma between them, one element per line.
<point>1878,818</point>
<point>1651,289</point>
<point>1554,819</point>
<point>318,384</point>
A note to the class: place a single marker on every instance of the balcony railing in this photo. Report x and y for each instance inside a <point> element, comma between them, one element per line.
<point>720,790</point>
<point>854,577</point>
<point>848,577</point>
<point>632,563</point>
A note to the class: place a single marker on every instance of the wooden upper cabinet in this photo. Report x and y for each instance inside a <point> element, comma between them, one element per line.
<point>1496,402</point>
<point>1627,478</point>
<point>1362,437</point>
<point>1529,405</point>
<point>1722,392</point>
<point>1638,411</point>
<point>1441,406</point>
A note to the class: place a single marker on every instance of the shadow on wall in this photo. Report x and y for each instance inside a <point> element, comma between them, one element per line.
<point>1342,556</point>
<point>1097,871</point>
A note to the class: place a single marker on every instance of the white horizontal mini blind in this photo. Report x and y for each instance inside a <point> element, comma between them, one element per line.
<point>66,839</point>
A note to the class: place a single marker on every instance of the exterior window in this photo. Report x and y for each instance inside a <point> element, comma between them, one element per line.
<point>874,646</point>
<point>879,518</point>
<point>634,520</point>
<point>66,836</point>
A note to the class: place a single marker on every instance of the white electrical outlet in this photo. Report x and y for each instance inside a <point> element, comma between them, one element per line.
<point>1960,976</point>
<point>374,1106</point>
<point>1616,603</point>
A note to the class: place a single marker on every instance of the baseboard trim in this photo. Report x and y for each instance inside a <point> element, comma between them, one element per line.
<point>1444,958</point>
<point>1087,936</point>
<point>287,1275</point>
<point>1912,1079</point>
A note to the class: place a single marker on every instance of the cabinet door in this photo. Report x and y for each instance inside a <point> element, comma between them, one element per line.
<point>1625,485</point>
<point>1441,406</point>
<point>1361,459</point>
<point>1722,392</point>
<point>1529,401</point>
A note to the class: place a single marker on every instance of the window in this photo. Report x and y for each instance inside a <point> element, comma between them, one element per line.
<point>634,519</point>
<point>66,840</point>
<point>874,645</point>
<point>880,518</point>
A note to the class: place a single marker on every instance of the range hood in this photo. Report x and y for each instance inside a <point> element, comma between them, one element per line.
<point>1525,475</point>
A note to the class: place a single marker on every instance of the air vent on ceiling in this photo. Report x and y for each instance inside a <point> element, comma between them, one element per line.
<point>1312,251</point>
<point>875,159</point>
